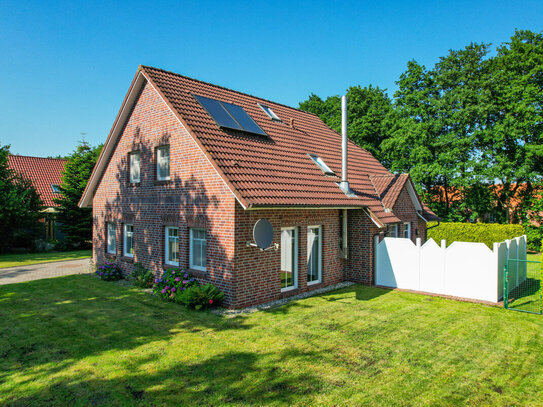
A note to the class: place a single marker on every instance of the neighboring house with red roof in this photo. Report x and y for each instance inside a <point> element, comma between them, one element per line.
<point>46,176</point>
<point>189,167</point>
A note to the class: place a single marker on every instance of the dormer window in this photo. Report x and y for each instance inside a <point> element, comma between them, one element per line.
<point>270,113</point>
<point>55,188</point>
<point>322,165</point>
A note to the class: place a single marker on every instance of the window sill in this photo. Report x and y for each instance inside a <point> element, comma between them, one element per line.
<point>198,273</point>
<point>170,266</point>
<point>110,256</point>
<point>162,182</point>
<point>134,184</point>
<point>289,289</point>
<point>128,259</point>
<point>314,283</point>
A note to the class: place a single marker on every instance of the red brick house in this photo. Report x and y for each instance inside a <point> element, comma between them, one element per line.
<point>189,167</point>
<point>46,176</point>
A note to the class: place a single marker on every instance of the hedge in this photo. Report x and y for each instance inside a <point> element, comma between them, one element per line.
<point>486,233</point>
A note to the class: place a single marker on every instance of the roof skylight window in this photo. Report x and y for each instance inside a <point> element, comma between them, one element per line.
<point>55,188</point>
<point>322,165</point>
<point>230,116</point>
<point>270,113</point>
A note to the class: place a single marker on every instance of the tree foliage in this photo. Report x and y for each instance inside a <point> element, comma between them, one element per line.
<point>20,207</point>
<point>368,111</point>
<point>76,222</point>
<point>468,130</point>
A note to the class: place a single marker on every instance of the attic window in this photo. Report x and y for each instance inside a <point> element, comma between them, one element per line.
<point>229,116</point>
<point>270,113</point>
<point>322,165</point>
<point>55,188</point>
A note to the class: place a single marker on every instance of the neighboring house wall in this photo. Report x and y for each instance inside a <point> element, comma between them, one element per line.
<point>195,196</point>
<point>257,274</point>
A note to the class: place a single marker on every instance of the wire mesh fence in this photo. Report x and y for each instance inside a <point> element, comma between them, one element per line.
<point>523,289</point>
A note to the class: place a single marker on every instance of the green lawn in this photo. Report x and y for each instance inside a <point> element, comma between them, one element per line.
<point>528,295</point>
<point>13,260</point>
<point>77,340</point>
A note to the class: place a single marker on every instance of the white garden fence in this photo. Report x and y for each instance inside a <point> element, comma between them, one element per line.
<point>468,270</point>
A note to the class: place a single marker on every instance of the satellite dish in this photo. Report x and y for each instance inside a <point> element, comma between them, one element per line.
<point>263,233</point>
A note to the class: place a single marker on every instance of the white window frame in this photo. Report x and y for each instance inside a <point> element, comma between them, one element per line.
<point>125,239</point>
<point>319,162</point>
<point>271,114</point>
<point>392,231</point>
<point>295,263</point>
<point>131,165</point>
<point>158,158</point>
<point>111,243</point>
<point>167,246</point>
<point>191,246</point>
<point>407,228</point>
<point>319,264</point>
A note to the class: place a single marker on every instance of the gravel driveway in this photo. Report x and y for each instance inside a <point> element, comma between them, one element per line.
<point>45,270</point>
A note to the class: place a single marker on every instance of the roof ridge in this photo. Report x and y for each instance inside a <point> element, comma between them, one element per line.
<point>377,193</point>
<point>42,158</point>
<point>225,88</point>
<point>388,175</point>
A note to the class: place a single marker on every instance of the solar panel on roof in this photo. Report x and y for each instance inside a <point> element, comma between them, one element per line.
<point>229,116</point>
<point>243,118</point>
<point>217,111</point>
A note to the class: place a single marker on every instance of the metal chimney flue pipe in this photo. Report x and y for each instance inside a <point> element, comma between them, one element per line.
<point>344,153</point>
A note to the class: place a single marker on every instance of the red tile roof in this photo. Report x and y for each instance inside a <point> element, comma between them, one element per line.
<point>389,187</point>
<point>264,171</point>
<point>43,172</point>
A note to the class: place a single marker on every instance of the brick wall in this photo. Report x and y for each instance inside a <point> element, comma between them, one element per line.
<point>258,273</point>
<point>405,210</point>
<point>195,196</point>
<point>360,239</point>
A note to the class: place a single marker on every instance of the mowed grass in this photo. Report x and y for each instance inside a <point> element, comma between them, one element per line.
<point>13,260</point>
<point>528,295</point>
<point>77,340</point>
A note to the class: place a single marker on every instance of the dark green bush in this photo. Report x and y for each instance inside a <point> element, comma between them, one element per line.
<point>534,236</point>
<point>201,296</point>
<point>486,233</point>
<point>142,277</point>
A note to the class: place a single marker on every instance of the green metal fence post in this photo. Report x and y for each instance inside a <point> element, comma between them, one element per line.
<point>505,286</point>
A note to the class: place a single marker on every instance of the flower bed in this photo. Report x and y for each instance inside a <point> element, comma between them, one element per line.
<point>109,271</point>
<point>179,286</point>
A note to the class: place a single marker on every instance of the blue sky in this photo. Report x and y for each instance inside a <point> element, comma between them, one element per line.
<point>66,66</point>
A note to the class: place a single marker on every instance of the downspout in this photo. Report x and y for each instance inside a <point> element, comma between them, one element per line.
<point>344,238</point>
<point>344,185</point>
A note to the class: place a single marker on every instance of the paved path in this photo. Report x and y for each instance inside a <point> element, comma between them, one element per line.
<point>44,270</point>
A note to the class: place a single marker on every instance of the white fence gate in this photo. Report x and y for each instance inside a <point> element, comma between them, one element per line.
<point>468,270</point>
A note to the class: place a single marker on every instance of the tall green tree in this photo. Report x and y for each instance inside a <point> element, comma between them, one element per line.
<point>369,115</point>
<point>20,207</point>
<point>511,146</point>
<point>76,222</point>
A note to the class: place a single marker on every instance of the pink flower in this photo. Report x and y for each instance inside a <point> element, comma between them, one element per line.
<point>173,289</point>
<point>185,281</point>
<point>163,291</point>
<point>178,279</point>
<point>211,301</point>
